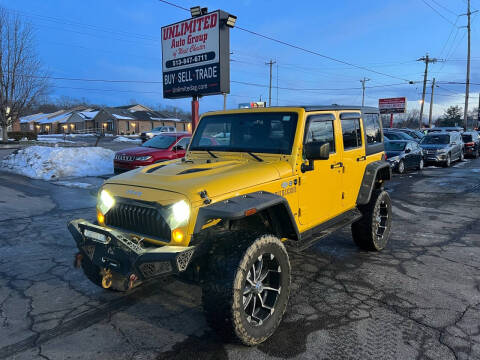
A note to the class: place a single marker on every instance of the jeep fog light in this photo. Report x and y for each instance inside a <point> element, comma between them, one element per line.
<point>181,211</point>
<point>105,202</point>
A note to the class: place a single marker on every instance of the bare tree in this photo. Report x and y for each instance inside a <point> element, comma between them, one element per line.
<point>21,78</point>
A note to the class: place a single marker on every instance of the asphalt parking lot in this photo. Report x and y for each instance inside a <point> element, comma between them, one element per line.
<point>418,299</point>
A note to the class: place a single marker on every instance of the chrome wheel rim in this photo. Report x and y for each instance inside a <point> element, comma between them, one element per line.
<point>448,160</point>
<point>262,289</point>
<point>421,164</point>
<point>381,216</point>
<point>401,167</point>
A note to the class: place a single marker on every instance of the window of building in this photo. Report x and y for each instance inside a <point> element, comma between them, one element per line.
<point>352,135</point>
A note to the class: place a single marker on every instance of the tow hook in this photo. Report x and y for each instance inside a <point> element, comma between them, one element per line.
<point>78,260</point>
<point>106,278</point>
<point>131,280</point>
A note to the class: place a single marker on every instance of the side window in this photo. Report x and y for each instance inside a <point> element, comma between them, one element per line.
<point>352,135</point>
<point>321,130</point>
<point>183,144</point>
<point>372,128</point>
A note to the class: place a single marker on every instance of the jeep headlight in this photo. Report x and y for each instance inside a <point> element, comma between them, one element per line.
<point>105,202</point>
<point>181,211</point>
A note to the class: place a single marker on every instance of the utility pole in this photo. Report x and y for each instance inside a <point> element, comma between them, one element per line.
<point>431,105</point>
<point>363,89</point>
<point>427,60</point>
<point>467,83</point>
<point>478,111</point>
<point>224,101</point>
<point>271,62</point>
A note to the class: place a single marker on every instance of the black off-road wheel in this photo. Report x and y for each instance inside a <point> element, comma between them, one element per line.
<point>372,231</point>
<point>246,287</point>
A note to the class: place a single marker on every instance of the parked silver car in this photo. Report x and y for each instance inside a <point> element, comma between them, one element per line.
<point>442,147</point>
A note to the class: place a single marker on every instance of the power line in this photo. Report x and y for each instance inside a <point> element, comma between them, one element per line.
<point>444,7</point>
<point>439,13</point>
<point>302,48</point>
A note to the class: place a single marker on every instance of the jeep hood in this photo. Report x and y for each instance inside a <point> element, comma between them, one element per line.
<point>191,177</point>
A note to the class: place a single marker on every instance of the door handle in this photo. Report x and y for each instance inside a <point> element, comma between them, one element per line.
<point>362,158</point>
<point>336,165</point>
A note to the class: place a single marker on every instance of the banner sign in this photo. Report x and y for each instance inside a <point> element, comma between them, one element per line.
<point>392,105</point>
<point>196,57</point>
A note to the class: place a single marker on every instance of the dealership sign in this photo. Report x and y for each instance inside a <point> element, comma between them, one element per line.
<point>392,105</point>
<point>196,56</point>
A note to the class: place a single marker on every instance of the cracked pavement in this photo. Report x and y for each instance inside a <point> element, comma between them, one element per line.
<point>418,299</point>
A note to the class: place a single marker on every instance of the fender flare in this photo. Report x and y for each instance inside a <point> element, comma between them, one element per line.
<point>377,170</point>
<point>235,208</point>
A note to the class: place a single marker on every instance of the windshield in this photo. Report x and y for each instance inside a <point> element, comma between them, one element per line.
<point>264,132</point>
<point>394,146</point>
<point>160,142</point>
<point>467,138</point>
<point>436,139</point>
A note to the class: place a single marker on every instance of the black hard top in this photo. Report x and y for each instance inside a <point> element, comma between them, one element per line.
<point>336,107</point>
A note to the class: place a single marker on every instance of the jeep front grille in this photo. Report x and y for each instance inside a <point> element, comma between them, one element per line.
<point>139,219</point>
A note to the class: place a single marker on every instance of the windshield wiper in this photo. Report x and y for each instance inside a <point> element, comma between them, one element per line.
<point>212,154</point>
<point>254,156</point>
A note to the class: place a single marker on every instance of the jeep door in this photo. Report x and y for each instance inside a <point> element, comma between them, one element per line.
<point>320,192</point>
<point>353,156</point>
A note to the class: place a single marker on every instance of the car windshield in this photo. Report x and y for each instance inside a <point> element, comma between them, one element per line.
<point>160,142</point>
<point>395,146</point>
<point>436,139</point>
<point>467,138</point>
<point>266,132</point>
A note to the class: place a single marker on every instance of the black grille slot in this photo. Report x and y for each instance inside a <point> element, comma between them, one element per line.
<point>138,219</point>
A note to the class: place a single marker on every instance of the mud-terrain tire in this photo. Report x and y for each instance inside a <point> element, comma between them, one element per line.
<point>231,301</point>
<point>372,231</point>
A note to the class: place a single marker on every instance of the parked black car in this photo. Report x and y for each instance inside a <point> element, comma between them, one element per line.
<point>396,135</point>
<point>416,134</point>
<point>404,155</point>
<point>442,148</point>
<point>471,142</point>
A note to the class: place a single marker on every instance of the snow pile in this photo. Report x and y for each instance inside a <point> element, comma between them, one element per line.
<point>125,139</point>
<point>48,163</point>
<point>74,184</point>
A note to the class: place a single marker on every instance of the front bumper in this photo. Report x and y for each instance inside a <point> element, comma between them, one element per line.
<point>119,252</point>
<point>435,157</point>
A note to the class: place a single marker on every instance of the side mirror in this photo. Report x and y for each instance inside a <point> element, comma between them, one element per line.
<point>317,150</point>
<point>407,151</point>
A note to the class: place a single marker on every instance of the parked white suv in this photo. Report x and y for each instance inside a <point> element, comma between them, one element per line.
<point>157,131</point>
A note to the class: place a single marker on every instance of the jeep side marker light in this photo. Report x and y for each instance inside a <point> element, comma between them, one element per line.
<point>250,212</point>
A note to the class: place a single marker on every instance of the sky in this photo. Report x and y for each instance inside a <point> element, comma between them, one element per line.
<point>120,40</point>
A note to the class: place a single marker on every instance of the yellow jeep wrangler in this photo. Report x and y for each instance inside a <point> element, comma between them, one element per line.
<point>253,184</point>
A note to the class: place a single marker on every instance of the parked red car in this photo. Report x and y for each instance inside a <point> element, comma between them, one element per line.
<point>162,147</point>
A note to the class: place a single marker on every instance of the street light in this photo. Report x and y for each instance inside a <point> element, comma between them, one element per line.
<point>231,19</point>
<point>196,11</point>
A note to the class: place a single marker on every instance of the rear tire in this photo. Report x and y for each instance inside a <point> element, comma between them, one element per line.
<point>401,167</point>
<point>372,231</point>
<point>247,286</point>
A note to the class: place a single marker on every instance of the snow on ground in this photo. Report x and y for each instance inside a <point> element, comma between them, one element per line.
<point>74,184</point>
<point>51,139</point>
<point>52,163</point>
<point>125,139</point>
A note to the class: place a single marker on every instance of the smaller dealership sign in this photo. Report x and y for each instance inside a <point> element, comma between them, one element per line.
<point>196,56</point>
<point>392,105</point>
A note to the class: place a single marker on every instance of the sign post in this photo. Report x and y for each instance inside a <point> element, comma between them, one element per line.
<point>392,106</point>
<point>196,58</point>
